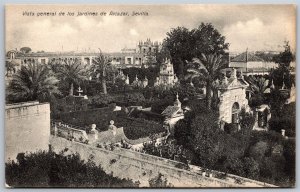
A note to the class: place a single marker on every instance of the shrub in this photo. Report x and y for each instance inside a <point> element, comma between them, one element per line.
<point>160,105</point>
<point>51,170</point>
<point>231,128</point>
<point>159,182</point>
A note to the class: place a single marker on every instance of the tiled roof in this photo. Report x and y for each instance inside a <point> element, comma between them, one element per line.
<point>239,83</point>
<point>243,57</point>
<point>170,110</point>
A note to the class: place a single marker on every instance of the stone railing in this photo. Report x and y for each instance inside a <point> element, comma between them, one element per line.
<point>69,132</point>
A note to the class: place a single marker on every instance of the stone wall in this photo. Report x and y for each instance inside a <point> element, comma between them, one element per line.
<point>141,167</point>
<point>27,128</point>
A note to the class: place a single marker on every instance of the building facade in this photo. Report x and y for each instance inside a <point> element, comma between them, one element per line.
<point>143,55</point>
<point>251,64</point>
<point>232,96</point>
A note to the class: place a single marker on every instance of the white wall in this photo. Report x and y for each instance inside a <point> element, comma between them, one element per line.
<point>228,98</point>
<point>27,128</point>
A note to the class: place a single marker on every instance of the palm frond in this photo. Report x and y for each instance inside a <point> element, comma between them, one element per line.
<point>32,81</point>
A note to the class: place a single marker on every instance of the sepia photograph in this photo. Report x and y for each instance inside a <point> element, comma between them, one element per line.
<point>150,96</point>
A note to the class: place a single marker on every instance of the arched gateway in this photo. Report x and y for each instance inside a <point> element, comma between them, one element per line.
<point>232,96</point>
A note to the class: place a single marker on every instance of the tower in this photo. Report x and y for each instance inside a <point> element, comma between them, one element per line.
<point>177,103</point>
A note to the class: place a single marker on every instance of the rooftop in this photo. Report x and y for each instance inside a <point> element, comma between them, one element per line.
<point>246,57</point>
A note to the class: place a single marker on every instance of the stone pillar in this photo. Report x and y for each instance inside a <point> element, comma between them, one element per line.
<point>55,130</point>
<point>256,119</point>
<point>204,90</point>
<point>94,131</point>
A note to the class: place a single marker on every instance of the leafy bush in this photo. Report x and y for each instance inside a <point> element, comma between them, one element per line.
<point>231,128</point>
<point>52,170</point>
<point>100,100</point>
<point>160,105</point>
<point>139,128</point>
<point>285,120</point>
<point>159,182</point>
<point>257,100</point>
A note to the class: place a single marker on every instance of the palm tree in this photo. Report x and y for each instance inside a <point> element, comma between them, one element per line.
<point>101,68</point>
<point>32,82</point>
<point>72,72</point>
<point>206,67</point>
<point>258,85</point>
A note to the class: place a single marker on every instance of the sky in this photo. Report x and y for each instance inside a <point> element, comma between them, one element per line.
<point>256,27</point>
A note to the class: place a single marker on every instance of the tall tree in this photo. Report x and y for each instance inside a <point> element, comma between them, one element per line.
<point>204,139</point>
<point>101,67</point>
<point>204,43</point>
<point>258,87</point>
<point>185,44</point>
<point>282,74</point>
<point>25,49</point>
<point>179,42</point>
<point>207,67</point>
<point>32,82</point>
<point>72,72</point>
<point>208,40</point>
<point>286,57</point>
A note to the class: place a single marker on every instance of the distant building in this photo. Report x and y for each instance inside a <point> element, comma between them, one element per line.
<point>27,128</point>
<point>166,77</point>
<point>149,47</point>
<point>251,64</point>
<point>143,55</point>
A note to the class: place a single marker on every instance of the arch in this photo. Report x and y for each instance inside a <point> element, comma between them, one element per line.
<point>235,112</point>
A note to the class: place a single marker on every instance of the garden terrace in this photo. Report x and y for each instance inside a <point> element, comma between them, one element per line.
<point>138,128</point>
<point>134,128</point>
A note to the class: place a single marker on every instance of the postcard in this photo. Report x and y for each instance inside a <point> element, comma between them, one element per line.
<point>155,96</point>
